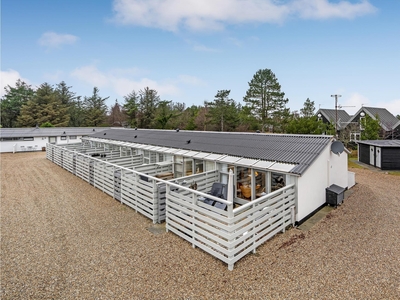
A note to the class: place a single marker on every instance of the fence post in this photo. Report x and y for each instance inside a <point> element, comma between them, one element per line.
<point>292,214</point>
<point>194,202</point>
<point>167,189</point>
<point>156,202</point>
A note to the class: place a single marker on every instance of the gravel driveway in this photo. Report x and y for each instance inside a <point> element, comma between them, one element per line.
<point>61,238</point>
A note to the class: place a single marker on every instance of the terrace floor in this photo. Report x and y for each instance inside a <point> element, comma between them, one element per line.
<point>61,238</point>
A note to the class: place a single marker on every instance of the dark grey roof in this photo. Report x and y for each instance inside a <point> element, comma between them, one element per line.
<point>397,125</point>
<point>48,131</point>
<point>301,150</point>
<point>330,115</point>
<point>387,120</point>
<point>381,143</point>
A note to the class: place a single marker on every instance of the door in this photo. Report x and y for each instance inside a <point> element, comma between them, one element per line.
<point>52,139</point>
<point>378,157</point>
<point>371,155</point>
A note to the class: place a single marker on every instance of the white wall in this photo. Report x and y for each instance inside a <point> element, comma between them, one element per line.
<point>326,170</point>
<point>338,170</point>
<point>35,145</point>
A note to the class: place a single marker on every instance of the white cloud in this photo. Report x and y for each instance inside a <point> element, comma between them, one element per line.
<point>393,106</point>
<point>90,74</point>
<point>55,40</point>
<point>353,103</point>
<point>356,101</point>
<point>323,9</point>
<point>123,81</point>
<point>9,77</point>
<point>172,15</point>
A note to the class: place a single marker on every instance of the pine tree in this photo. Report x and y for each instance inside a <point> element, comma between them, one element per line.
<point>222,112</point>
<point>148,102</point>
<point>131,107</point>
<point>12,101</point>
<point>265,98</point>
<point>95,109</point>
<point>44,107</point>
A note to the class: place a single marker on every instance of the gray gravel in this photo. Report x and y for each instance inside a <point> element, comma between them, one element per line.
<point>63,239</point>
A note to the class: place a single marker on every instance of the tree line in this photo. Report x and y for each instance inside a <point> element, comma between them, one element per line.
<point>264,109</point>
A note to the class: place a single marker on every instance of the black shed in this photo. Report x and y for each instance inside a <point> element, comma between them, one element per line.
<point>383,154</point>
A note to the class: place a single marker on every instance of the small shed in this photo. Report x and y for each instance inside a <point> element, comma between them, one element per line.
<point>382,154</point>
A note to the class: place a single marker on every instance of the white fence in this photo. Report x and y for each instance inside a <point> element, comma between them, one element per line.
<point>227,234</point>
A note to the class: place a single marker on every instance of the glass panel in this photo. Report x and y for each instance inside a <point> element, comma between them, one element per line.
<point>278,181</point>
<point>243,182</point>
<point>199,166</point>
<point>261,183</point>
<point>178,166</point>
<point>210,165</point>
<point>188,166</point>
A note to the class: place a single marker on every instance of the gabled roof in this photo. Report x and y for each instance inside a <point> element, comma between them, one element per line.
<point>48,131</point>
<point>397,125</point>
<point>330,114</point>
<point>386,119</point>
<point>300,150</point>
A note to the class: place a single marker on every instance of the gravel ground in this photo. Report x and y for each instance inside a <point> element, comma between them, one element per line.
<point>63,239</point>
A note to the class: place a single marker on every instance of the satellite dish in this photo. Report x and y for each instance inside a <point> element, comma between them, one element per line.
<point>337,147</point>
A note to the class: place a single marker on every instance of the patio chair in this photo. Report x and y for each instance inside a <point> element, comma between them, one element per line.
<point>217,190</point>
<point>224,196</point>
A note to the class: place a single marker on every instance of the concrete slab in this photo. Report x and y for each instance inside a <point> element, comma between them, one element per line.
<point>314,219</point>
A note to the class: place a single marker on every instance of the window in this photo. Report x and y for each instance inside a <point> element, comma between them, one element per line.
<point>28,138</point>
<point>72,137</point>
<point>63,138</point>
<point>199,166</point>
<point>8,139</point>
<point>278,181</point>
<point>188,166</point>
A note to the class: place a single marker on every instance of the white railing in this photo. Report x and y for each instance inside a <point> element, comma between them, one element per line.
<point>228,235</point>
<point>140,191</point>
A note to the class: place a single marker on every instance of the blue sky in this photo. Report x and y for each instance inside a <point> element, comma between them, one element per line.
<point>189,49</point>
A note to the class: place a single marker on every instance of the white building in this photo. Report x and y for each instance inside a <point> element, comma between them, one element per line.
<point>35,139</point>
<point>267,181</point>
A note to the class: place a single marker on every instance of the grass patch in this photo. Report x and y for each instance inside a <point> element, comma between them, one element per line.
<point>395,173</point>
<point>351,163</point>
<point>353,154</point>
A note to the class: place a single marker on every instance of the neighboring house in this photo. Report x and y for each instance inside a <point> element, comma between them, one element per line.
<point>35,139</point>
<point>339,116</point>
<point>387,121</point>
<point>259,183</point>
<point>382,154</point>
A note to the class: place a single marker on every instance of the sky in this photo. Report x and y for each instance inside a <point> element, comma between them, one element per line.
<point>188,50</point>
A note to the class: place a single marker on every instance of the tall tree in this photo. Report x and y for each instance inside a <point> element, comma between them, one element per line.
<point>76,113</point>
<point>131,107</point>
<point>163,113</point>
<point>223,111</point>
<point>71,101</point>
<point>371,128</point>
<point>12,101</point>
<point>44,107</point>
<point>265,98</point>
<point>148,102</point>
<point>308,109</point>
<point>95,109</point>
<point>117,116</point>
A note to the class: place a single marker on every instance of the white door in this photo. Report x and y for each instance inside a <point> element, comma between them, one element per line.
<point>371,155</point>
<point>378,157</point>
